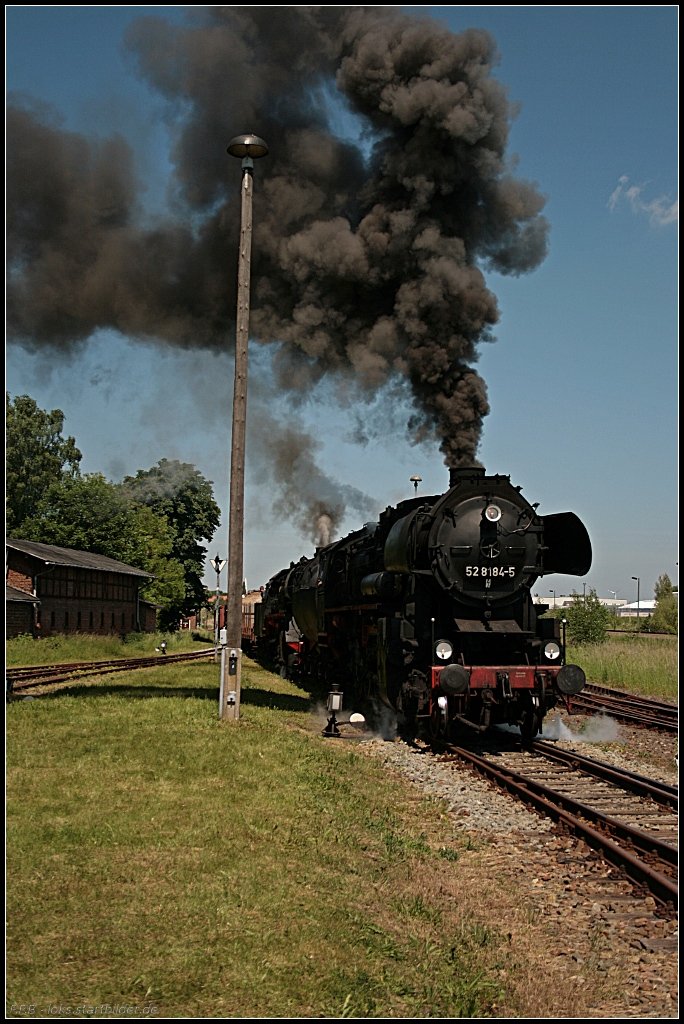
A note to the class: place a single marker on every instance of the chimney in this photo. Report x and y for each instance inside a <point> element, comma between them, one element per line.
<point>460,473</point>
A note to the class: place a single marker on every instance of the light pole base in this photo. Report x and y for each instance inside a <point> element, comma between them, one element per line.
<point>331,728</point>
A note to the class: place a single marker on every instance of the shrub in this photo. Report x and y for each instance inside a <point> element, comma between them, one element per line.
<point>587,619</point>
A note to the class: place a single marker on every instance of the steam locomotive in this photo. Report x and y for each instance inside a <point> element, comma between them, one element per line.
<point>430,610</point>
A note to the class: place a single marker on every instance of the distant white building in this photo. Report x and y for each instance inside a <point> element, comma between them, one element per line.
<point>618,606</point>
<point>614,603</point>
<point>565,600</point>
<point>641,608</point>
<point>557,601</point>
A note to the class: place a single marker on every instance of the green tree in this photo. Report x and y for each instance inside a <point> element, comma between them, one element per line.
<point>149,546</point>
<point>37,456</point>
<point>665,617</point>
<point>87,513</point>
<point>180,493</point>
<point>588,619</point>
<point>663,587</point>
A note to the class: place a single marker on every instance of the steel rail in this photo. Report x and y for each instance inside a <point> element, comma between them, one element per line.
<point>663,888</point>
<point>631,698</point>
<point>588,702</point>
<point>27,677</point>
<point>658,791</point>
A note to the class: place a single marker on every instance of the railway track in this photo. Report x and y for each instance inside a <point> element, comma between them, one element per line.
<point>34,676</point>
<point>626,707</point>
<point>629,820</point>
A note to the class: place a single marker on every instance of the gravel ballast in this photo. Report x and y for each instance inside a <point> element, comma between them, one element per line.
<point>592,917</point>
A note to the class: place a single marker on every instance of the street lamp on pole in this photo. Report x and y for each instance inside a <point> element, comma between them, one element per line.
<point>218,564</point>
<point>248,148</point>
<point>638,581</point>
<point>554,597</point>
<point>415,480</point>
<point>614,593</point>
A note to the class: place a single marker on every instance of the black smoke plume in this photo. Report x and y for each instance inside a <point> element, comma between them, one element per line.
<point>368,255</point>
<point>304,494</point>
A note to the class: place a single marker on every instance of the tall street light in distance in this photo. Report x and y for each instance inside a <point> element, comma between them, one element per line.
<point>218,564</point>
<point>638,581</point>
<point>248,148</point>
<point>415,480</point>
<point>614,593</point>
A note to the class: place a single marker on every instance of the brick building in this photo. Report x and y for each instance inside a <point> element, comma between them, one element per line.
<point>51,590</point>
<point>21,610</point>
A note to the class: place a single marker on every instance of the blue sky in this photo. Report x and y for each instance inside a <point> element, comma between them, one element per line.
<point>582,377</point>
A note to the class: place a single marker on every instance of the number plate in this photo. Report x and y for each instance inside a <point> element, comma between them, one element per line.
<point>490,572</point>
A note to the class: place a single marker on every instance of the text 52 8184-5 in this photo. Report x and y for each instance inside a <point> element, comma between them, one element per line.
<point>490,571</point>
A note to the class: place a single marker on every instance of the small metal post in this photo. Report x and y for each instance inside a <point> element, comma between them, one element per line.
<point>218,564</point>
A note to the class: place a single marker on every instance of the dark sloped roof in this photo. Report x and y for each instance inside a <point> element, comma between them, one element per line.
<point>12,594</point>
<point>49,554</point>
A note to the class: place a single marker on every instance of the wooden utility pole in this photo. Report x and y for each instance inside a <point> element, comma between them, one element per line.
<point>247,147</point>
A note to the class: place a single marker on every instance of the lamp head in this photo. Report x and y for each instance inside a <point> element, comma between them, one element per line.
<point>247,146</point>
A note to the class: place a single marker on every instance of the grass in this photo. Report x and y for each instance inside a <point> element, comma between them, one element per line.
<point>635,662</point>
<point>160,859</point>
<point>160,862</point>
<point>58,649</point>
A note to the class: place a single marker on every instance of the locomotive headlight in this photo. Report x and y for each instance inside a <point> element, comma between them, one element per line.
<point>492,513</point>
<point>443,650</point>
<point>552,650</point>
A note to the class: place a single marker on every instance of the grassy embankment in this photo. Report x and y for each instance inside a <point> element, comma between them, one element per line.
<point>57,650</point>
<point>160,859</point>
<point>638,663</point>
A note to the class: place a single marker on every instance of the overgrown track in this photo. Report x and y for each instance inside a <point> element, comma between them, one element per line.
<point>627,707</point>
<point>33,676</point>
<point>630,821</point>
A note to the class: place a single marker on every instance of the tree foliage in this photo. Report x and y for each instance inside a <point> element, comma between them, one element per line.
<point>663,587</point>
<point>180,493</point>
<point>150,546</point>
<point>665,617</point>
<point>587,618</point>
<point>87,513</point>
<point>37,456</point>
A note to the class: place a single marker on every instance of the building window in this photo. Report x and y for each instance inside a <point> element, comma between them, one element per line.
<point>52,619</point>
<point>90,621</point>
<point>78,619</point>
<point>66,620</point>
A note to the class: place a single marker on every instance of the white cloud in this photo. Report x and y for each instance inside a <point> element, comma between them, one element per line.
<point>660,211</point>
